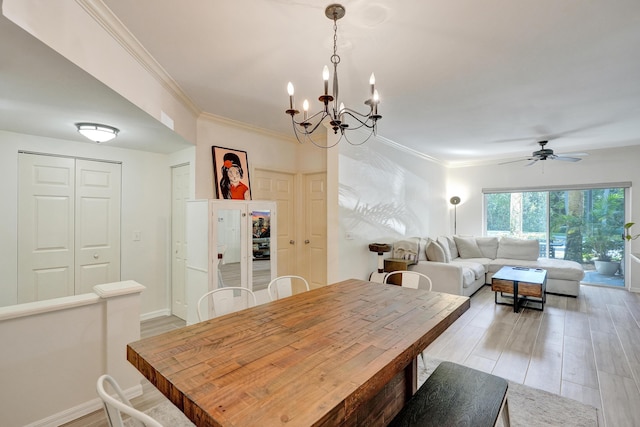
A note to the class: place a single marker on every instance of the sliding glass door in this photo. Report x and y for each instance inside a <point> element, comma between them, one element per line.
<point>582,225</point>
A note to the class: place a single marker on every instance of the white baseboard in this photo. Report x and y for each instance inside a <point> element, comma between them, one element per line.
<point>81,410</point>
<point>154,314</point>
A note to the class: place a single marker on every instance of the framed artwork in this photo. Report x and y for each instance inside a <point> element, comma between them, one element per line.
<point>231,173</point>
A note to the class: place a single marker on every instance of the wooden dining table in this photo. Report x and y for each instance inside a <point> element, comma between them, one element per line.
<point>340,355</point>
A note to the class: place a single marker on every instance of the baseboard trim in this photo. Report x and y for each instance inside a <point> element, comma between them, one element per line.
<point>154,314</point>
<point>81,410</point>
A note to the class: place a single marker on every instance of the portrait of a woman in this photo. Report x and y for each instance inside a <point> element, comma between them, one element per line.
<point>231,176</point>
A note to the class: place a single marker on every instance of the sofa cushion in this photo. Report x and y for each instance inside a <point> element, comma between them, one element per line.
<point>479,266</point>
<point>422,249</point>
<point>488,246</point>
<point>520,249</point>
<point>444,244</point>
<point>435,252</point>
<point>453,248</point>
<point>558,269</point>
<point>467,247</point>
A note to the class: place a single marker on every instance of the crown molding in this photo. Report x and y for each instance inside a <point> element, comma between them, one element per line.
<point>114,27</point>
<point>246,126</point>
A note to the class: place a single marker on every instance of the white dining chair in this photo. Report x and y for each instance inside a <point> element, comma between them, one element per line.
<point>115,407</point>
<point>411,279</point>
<point>283,286</point>
<point>225,301</point>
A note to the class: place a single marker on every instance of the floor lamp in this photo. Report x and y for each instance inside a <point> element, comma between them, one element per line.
<point>455,200</point>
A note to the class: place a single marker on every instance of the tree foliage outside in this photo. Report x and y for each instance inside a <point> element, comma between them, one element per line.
<point>584,223</point>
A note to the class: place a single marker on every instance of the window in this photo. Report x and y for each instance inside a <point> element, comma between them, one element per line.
<point>583,224</point>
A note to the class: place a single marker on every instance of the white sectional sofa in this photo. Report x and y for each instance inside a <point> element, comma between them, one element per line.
<point>462,265</point>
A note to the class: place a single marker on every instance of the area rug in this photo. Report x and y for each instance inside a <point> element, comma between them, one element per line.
<point>530,407</point>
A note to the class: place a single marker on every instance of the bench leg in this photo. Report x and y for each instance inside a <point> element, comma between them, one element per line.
<point>505,413</point>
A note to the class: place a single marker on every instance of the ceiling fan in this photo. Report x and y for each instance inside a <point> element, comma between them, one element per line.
<point>547,153</point>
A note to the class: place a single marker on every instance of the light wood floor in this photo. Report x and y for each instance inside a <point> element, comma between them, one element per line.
<point>585,348</point>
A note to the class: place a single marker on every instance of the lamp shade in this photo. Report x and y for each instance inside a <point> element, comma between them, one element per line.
<point>97,132</point>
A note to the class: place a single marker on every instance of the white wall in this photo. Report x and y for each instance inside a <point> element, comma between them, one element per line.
<point>264,150</point>
<point>602,166</point>
<point>83,32</point>
<point>385,194</point>
<point>146,207</point>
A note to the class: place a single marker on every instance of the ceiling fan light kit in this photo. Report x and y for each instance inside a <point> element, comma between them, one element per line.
<point>333,111</point>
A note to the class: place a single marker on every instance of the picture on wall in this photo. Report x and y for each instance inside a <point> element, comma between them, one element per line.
<point>231,173</point>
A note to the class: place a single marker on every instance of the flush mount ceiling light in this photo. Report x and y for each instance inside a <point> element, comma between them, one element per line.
<point>96,132</point>
<point>338,115</point>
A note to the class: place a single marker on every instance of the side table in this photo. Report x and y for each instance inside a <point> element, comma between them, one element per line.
<point>395,264</point>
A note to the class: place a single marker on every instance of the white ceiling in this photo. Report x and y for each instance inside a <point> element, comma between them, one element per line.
<point>459,81</point>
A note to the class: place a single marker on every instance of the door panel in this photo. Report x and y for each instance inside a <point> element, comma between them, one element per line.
<point>179,196</point>
<point>280,186</point>
<point>45,227</point>
<point>316,229</point>
<point>97,224</point>
<point>69,226</point>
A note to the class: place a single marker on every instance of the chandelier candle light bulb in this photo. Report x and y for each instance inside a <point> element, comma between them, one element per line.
<point>372,82</point>
<point>290,91</point>
<point>339,119</point>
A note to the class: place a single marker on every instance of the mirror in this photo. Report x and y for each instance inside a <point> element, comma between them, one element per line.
<point>229,247</point>
<point>261,248</point>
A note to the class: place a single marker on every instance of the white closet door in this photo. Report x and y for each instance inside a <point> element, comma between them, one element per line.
<point>179,196</point>
<point>45,227</point>
<point>98,189</point>
<point>280,186</point>
<point>316,229</point>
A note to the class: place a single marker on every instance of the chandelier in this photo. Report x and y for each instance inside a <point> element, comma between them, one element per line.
<point>340,118</point>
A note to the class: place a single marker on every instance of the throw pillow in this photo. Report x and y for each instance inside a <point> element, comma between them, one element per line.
<point>444,244</point>
<point>467,247</point>
<point>435,252</point>
<point>452,248</point>
<point>488,246</point>
<point>407,249</point>
<point>422,249</point>
<point>525,250</point>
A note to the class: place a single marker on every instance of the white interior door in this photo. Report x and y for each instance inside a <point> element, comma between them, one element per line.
<point>315,243</point>
<point>45,227</point>
<point>179,196</point>
<point>98,189</point>
<point>279,186</point>
<point>69,226</point>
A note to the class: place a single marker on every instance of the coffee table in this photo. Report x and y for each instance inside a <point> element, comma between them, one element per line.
<point>524,284</point>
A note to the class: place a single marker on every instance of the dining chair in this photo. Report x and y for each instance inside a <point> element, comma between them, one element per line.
<point>226,300</point>
<point>282,286</point>
<point>115,407</point>
<point>411,279</point>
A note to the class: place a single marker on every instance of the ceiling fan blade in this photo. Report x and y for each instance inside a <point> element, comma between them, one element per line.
<point>532,162</point>
<point>573,154</point>
<point>567,159</point>
<point>513,161</point>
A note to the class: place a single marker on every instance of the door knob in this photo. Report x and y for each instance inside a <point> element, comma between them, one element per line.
<point>306,242</point>
<point>96,256</point>
<point>292,242</point>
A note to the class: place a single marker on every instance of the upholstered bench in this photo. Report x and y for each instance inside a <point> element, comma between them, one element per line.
<point>455,395</point>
